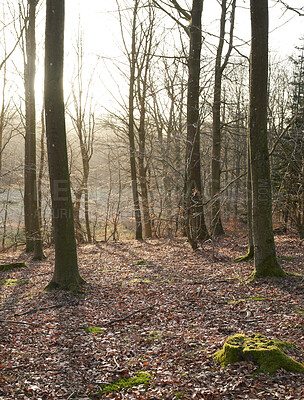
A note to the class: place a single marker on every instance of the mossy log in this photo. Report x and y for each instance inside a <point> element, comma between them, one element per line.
<point>9,267</point>
<point>267,353</point>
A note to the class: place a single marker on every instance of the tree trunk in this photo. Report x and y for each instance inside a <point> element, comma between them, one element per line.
<point>76,209</point>
<point>195,222</point>
<point>66,275</point>
<point>41,167</point>
<point>2,116</point>
<point>138,228</point>
<point>142,162</point>
<point>216,221</point>
<point>31,215</point>
<point>265,260</point>
<point>250,252</point>
<point>144,197</point>
<point>86,209</point>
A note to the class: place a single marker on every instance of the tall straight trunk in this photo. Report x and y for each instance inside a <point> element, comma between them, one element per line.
<point>76,209</point>
<point>142,159</point>
<point>86,172</point>
<point>66,275</point>
<point>41,167</point>
<point>195,222</point>
<point>238,160</point>
<point>250,252</point>
<point>142,170</point>
<point>31,215</point>
<point>265,261</point>
<point>86,214</point>
<point>83,189</point>
<point>216,221</point>
<point>2,116</point>
<point>138,227</point>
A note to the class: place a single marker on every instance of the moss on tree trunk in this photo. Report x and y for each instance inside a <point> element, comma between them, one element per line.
<point>268,268</point>
<point>247,257</point>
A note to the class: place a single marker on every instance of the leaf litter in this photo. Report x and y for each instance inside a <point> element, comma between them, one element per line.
<point>165,315</point>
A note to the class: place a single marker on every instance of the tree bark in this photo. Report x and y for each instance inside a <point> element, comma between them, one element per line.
<point>66,275</point>
<point>41,167</point>
<point>265,261</point>
<point>216,221</point>
<point>31,215</point>
<point>142,99</point>
<point>195,222</point>
<point>137,212</point>
<point>250,252</point>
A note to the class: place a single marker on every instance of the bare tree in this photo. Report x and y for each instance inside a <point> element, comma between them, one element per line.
<point>195,222</point>
<point>132,59</point>
<point>83,120</point>
<point>216,222</point>
<point>195,225</point>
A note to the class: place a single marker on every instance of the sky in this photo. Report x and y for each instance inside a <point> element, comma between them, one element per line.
<point>101,25</point>
<point>103,38</point>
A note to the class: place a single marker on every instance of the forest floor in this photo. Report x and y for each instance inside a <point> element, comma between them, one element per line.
<point>162,308</point>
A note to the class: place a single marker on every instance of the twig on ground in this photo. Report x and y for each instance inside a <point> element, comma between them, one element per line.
<point>9,321</point>
<point>43,309</point>
<point>145,309</point>
<point>117,365</point>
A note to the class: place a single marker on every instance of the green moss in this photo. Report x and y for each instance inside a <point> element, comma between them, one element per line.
<point>251,298</point>
<point>268,268</point>
<point>267,353</point>
<point>141,262</point>
<point>247,257</point>
<point>93,329</point>
<point>155,335</point>
<point>236,301</point>
<point>299,311</point>
<point>138,280</point>
<point>9,267</point>
<point>13,282</point>
<point>142,378</point>
<point>295,274</point>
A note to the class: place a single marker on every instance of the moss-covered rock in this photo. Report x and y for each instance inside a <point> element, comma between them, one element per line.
<point>267,353</point>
